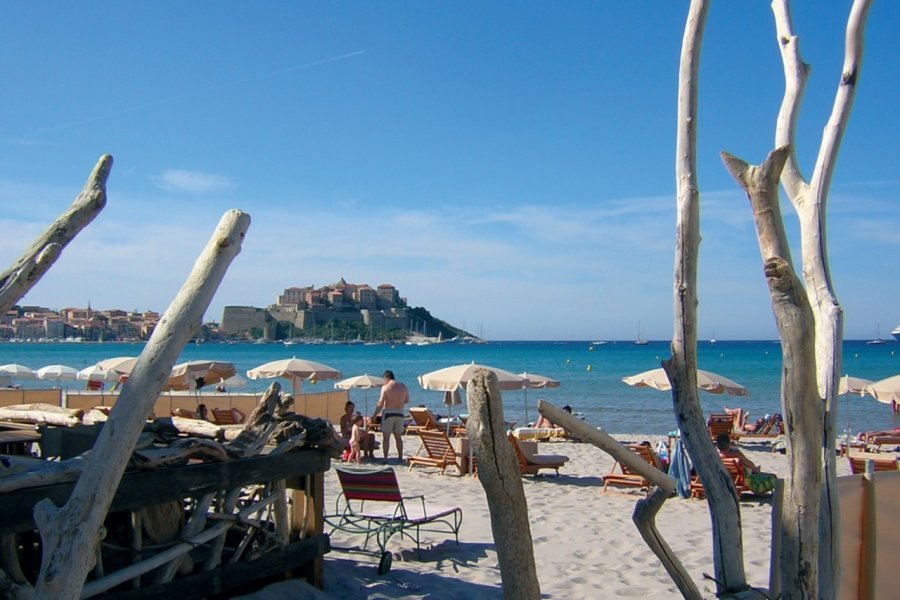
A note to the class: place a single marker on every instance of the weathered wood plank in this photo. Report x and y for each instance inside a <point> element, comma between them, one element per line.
<point>222,579</point>
<point>142,488</point>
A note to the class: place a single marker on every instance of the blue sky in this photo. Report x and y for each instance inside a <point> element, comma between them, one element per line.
<point>509,166</point>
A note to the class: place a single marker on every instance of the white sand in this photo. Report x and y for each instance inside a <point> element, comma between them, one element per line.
<point>585,543</point>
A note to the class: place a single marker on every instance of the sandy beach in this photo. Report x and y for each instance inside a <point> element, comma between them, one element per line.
<point>585,543</point>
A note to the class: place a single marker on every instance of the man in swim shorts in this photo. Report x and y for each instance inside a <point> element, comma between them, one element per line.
<point>392,403</point>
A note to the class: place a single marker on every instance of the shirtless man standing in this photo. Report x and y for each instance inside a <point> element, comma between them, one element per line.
<point>394,397</point>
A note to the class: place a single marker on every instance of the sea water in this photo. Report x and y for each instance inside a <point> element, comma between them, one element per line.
<point>590,376</point>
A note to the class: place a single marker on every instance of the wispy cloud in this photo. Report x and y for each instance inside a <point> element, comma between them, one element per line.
<point>193,182</point>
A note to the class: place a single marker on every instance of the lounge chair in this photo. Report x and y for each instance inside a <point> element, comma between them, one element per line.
<point>735,470</point>
<point>858,464</point>
<point>772,428</point>
<point>540,433</point>
<point>423,419</point>
<point>625,477</point>
<point>370,503</point>
<point>439,452</point>
<point>530,462</point>
<point>720,423</point>
<point>227,416</point>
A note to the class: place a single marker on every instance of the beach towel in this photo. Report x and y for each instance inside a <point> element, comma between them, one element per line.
<point>680,469</point>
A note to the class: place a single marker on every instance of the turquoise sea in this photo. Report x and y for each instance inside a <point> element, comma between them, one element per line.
<point>590,379</point>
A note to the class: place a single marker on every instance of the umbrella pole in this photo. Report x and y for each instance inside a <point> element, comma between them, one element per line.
<point>525,391</point>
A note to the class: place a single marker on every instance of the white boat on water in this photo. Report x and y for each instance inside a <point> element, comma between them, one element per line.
<point>877,341</point>
<point>640,341</point>
<point>896,333</point>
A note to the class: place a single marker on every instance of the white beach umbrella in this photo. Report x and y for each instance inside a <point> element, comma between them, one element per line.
<point>235,381</point>
<point>884,390</point>
<point>120,364</point>
<point>57,373</point>
<point>95,373</point>
<point>852,385</point>
<point>361,382</point>
<point>295,369</point>
<point>535,381</point>
<point>185,375</point>
<point>17,371</point>
<point>452,378</point>
<point>706,381</point>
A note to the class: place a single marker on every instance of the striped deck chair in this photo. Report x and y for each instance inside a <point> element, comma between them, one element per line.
<point>370,503</point>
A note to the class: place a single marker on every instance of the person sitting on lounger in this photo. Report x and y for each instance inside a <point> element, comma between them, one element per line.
<point>756,480</point>
<point>545,423</point>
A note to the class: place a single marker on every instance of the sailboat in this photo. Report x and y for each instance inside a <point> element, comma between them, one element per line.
<point>640,341</point>
<point>877,341</point>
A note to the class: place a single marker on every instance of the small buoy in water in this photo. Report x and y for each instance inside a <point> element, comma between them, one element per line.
<point>589,368</point>
<point>591,348</point>
<point>568,361</point>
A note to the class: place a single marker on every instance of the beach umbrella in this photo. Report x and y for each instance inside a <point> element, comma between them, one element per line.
<point>451,378</point>
<point>120,364</point>
<point>886,391</point>
<point>95,373</point>
<point>361,382</point>
<point>17,371</point>
<point>851,385</point>
<point>235,381</point>
<point>184,375</point>
<point>57,373</point>
<point>535,381</point>
<point>295,369</point>
<point>706,381</point>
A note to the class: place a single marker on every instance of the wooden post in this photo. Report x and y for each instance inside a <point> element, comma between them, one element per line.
<point>71,533</point>
<point>307,519</point>
<point>498,472</point>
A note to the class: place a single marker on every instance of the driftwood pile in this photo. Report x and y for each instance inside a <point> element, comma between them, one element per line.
<point>158,542</point>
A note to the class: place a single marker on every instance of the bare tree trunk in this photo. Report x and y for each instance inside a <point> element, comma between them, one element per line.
<point>728,555</point>
<point>803,409</point>
<point>809,201</point>
<point>498,472</point>
<point>71,534</point>
<point>29,269</point>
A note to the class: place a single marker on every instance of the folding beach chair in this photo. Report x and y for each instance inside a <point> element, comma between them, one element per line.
<point>392,512</point>
<point>439,452</point>
<point>621,475</point>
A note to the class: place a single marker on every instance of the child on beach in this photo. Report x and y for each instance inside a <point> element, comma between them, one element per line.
<point>355,437</point>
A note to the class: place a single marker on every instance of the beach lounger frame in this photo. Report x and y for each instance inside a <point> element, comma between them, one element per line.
<point>531,464</point>
<point>735,470</point>
<point>371,504</point>
<point>439,452</point>
<point>624,477</point>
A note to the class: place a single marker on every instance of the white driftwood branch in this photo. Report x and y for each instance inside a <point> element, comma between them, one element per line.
<point>71,533</point>
<point>645,510</point>
<point>46,473</point>
<point>31,266</point>
<point>802,407</point>
<point>498,472</point>
<point>41,414</point>
<point>596,436</point>
<point>809,200</point>
<point>728,560</point>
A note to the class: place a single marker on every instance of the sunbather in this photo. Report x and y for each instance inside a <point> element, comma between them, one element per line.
<point>758,481</point>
